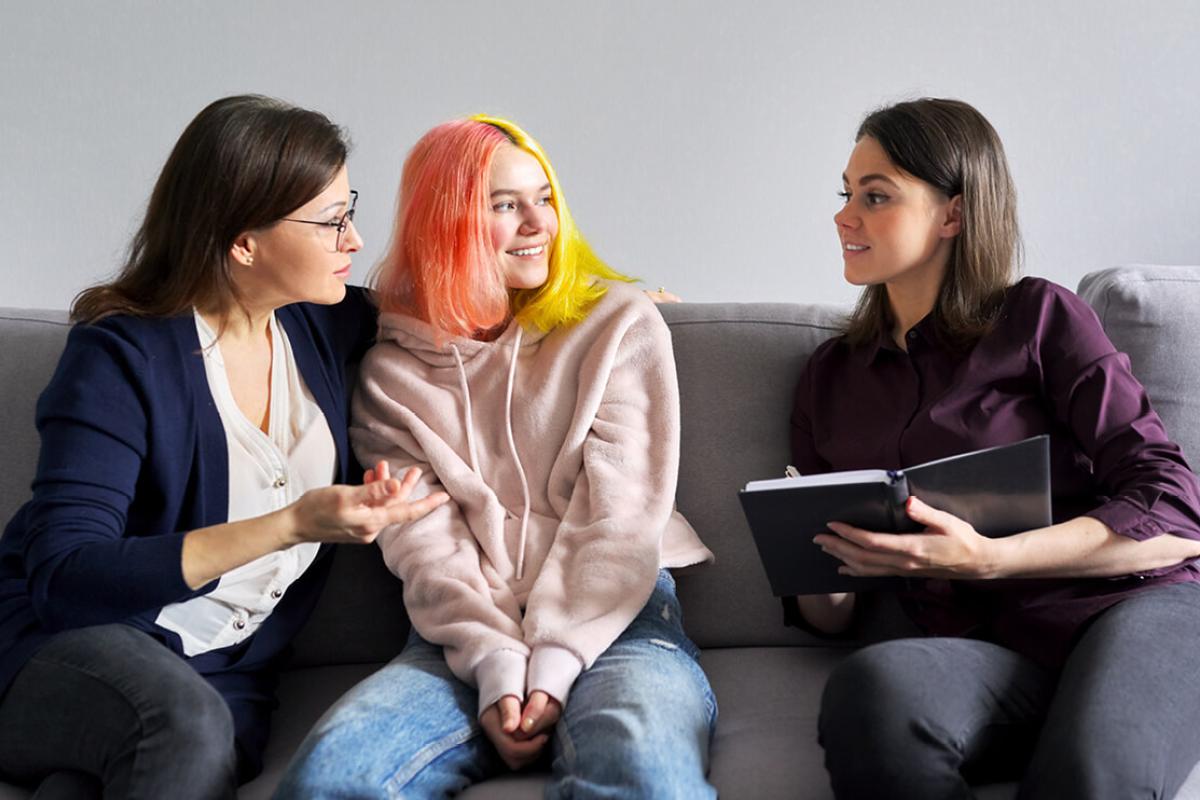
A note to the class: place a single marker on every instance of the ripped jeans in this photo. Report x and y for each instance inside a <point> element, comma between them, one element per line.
<point>637,724</point>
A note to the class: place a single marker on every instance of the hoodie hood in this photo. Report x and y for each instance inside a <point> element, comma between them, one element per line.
<point>422,339</point>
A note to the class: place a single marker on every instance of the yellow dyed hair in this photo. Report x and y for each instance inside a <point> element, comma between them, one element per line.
<point>571,287</point>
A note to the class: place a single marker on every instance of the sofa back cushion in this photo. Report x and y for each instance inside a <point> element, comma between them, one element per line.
<point>30,343</point>
<point>738,366</point>
<point>1153,314</point>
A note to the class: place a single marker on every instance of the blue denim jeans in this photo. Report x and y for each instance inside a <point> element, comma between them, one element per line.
<point>637,725</point>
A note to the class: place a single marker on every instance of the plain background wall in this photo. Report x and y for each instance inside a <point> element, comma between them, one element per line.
<point>700,144</point>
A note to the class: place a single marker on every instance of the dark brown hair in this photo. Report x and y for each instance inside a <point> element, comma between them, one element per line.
<point>952,147</point>
<point>243,163</point>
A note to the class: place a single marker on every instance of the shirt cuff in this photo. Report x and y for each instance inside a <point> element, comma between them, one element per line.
<point>500,673</point>
<point>553,669</point>
<point>1127,520</point>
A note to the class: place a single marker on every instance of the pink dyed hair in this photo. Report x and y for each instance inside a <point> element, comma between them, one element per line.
<point>440,266</point>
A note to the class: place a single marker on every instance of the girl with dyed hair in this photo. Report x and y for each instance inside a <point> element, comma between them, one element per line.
<point>536,388</point>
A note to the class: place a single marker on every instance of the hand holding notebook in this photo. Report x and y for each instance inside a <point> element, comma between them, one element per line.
<point>999,491</point>
<point>947,547</point>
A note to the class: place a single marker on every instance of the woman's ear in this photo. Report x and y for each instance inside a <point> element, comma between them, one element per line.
<point>952,224</point>
<point>243,248</point>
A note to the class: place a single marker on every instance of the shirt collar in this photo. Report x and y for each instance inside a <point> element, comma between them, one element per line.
<point>925,329</point>
<point>874,348</point>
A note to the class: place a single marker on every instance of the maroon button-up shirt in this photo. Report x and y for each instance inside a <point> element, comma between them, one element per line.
<point>1046,367</point>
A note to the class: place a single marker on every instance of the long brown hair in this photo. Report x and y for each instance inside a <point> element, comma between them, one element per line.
<point>243,163</point>
<point>952,147</point>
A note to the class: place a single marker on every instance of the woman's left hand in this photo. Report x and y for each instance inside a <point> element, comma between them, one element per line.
<point>948,548</point>
<point>661,295</point>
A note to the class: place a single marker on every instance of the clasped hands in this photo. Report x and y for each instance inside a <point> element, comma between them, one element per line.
<point>519,734</point>
<point>949,547</point>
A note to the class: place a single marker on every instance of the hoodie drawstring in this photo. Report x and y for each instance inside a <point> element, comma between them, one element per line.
<point>469,422</point>
<point>512,447</point>
<point>508,430</point>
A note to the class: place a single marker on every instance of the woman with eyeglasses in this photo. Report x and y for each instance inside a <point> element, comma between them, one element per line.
<point>535,386</point>
<point>191,480</point>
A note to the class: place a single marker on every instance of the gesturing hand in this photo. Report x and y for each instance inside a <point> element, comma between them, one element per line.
<point>502,724</point>
<point>356,514</point>
<point>949,547</point>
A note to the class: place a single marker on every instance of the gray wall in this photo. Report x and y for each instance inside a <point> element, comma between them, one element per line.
<point>700,144</point>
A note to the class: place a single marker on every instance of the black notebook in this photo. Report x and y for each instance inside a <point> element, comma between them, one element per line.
<point>999,490</point>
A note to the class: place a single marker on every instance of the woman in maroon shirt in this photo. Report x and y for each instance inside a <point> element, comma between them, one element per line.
<point>1061,656</point>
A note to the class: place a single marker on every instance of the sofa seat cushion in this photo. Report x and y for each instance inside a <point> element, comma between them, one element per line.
<point>765,744</point>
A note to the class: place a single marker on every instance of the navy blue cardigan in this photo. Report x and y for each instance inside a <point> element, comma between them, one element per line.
<point>133,456</point>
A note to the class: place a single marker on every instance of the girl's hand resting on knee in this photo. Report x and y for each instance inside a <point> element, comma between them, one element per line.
<point>356,514</point>
<point>502,722</point>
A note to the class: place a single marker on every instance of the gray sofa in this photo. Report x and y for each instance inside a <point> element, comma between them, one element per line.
<point>737,365</point>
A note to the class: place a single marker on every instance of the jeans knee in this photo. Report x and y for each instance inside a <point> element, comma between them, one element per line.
<point>183,746</point>
<point>632,769</point>
<point>194,719</point>
<point>356,752</point>
<point>876,727</point>
<point>634,750</point>
<point>854,694</point>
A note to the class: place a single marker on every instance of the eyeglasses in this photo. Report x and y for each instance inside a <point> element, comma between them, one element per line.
<point>342,223</point>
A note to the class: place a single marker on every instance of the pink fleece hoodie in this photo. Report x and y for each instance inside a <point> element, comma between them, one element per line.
<point>560,452</point>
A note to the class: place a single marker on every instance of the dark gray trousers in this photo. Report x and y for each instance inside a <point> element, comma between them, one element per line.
<point>926,718</point>
<point>108,711</point>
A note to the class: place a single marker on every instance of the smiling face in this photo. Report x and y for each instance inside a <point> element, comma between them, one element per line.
<point>895,229</point>
<point>522,219</point>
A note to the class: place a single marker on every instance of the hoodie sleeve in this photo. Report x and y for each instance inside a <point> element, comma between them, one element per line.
<point>602,565</point>
<point>452,599</point>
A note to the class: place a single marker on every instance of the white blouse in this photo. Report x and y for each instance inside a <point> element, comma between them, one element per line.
<point>267,471</point>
